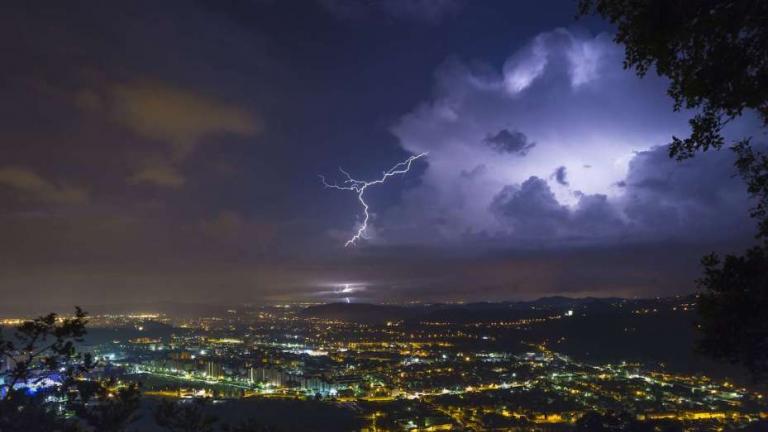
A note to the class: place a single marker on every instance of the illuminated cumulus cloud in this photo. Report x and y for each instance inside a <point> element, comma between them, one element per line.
<point>531,211</point>
<point>593,123</point>
<point>31,186</point>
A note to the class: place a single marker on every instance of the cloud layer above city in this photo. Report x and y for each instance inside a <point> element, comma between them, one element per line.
<point>170,151</point>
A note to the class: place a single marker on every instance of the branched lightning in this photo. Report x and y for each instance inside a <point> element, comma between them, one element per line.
<point>359,187</point>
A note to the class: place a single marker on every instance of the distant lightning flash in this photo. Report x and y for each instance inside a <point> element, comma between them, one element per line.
<point>359,187</point>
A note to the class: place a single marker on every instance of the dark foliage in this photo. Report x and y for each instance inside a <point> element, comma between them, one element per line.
<point>610,422</point>
<point>250,425</point>
<point>715,54</point>
<point>43,346</point>
<point>732,315</point>
<point>24,412</point>
<point>104,409</point>
<point>185,417</point>
<point>38,350</point>
<point>753,167</point>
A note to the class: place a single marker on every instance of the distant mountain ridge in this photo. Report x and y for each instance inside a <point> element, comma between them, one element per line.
<point>477,311</point>
<point>363,312</point>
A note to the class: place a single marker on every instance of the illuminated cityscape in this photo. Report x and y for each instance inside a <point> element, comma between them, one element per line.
<point>413,368</point>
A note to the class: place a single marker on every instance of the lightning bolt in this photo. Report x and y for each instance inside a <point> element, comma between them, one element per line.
<point>360,186</point>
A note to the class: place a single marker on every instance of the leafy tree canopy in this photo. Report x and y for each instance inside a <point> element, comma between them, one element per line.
<point>715,55</point>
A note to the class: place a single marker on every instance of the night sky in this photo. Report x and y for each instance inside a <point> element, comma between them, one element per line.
<point>171,151</point>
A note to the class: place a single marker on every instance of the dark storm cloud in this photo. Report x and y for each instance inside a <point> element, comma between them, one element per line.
<point>531,209</point>
<point>698,198</point>
<point>595,216</point>
<point>513,142</point>
<point>560,175</point>
<point>632,270</point>
<point>431,11</point>
<point>662,200</point>
<point>533,213</point>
